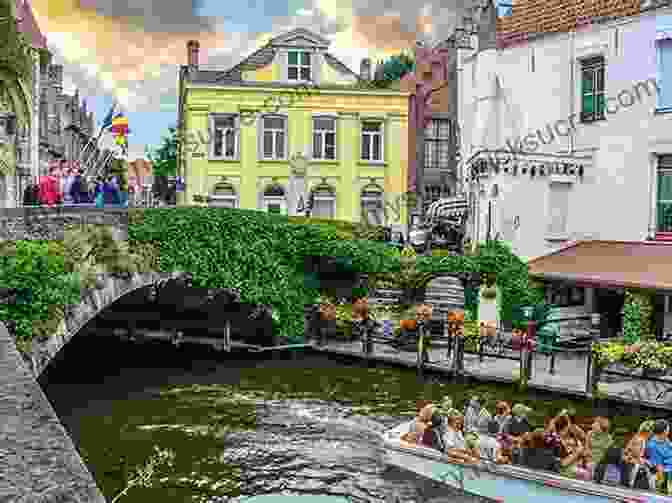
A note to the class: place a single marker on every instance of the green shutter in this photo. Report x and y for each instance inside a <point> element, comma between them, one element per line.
<point>587,104</point>
<point>665,186</point>
<point>600,104</point>
<point>293,58</point>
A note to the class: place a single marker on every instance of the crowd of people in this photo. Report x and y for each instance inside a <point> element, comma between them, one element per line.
<point>580,448</point>
<point>67,186</point>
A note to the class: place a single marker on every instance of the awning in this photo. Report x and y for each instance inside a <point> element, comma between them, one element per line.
<point>455,207</point>
<point>621,264</point>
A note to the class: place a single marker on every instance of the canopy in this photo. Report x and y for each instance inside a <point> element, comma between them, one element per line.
<point>638,264</point>
<point>454,207</point>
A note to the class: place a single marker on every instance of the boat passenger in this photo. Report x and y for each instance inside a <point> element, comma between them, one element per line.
<point>658,451</point>
<point>598,440</point>
<point>471,415</point>
<point>514,431</point>
<point>502,415</point>
<point>432,437</point>
<point>572,458</point>
<point>562,425</point>
<point>417,427</point>
<point>638,472</point>
<point>611,470</point>
<point>536,454</point>
<point>453,439</point>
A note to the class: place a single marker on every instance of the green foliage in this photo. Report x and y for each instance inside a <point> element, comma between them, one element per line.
<point>119,168</point>
<point>632,318</point>
<point>642,355</point>
<point>15,53</point>
<point>261,255</point>
<point>40,268</point>
<point>394,68</point>
<point>164,158</point>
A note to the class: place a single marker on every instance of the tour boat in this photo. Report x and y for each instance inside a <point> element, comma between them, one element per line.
<point>505,483</point>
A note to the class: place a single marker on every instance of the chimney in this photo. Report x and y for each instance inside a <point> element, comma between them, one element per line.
<point>365,69</point>
<point>192,54</point>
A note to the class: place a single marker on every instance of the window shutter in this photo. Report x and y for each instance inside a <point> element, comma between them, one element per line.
<point>286,152</point>
<point>260,137</point>
<point>236,123</point>
<point>315,66</point>
<point>664,70</point>
<point>284,62</point>
<point>211,136</point>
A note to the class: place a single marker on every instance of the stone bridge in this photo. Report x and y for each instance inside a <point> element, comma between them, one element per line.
<point>49,222</point>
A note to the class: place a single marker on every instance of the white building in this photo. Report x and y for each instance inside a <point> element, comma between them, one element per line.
<point>596,139</point>
<point>565,112</point>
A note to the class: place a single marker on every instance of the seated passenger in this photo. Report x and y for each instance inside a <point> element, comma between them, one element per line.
<point>514,431</point>
<point>564,427</point>
<point>598,440</point>
<point>572,458</point>
<point>502,415</point>
<point>417,427</point>
<point>432,437</point>
<point>658,452</point>
<point>610,470</point>
<point>638,472</point>
<point>537,455</point>
<point>453,440</point>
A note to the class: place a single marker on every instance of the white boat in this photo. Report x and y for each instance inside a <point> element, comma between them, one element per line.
<point>505,483</point>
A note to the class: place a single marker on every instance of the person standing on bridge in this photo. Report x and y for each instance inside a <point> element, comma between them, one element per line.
<point>48,188</point>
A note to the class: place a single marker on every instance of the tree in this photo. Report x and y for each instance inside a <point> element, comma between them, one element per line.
<point>164,158</point>
<point>119,168</point>
<point>394,68</point>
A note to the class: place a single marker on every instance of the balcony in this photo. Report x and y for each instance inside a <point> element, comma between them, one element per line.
<point>664,221</point>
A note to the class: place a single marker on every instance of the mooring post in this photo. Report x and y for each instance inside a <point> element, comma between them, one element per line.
<point>227,336</point>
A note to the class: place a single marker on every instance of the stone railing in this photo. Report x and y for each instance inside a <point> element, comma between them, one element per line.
<point>49,222</point>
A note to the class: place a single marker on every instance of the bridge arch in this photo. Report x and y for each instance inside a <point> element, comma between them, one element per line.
<point>108,290</point>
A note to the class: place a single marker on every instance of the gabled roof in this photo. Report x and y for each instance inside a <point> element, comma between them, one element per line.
<point>263,57</point>
<point>530,18</point>
<point>628,264</point>
<point>300,33</point>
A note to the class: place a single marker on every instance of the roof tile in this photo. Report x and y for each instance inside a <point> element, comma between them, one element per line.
<point>535,17</point>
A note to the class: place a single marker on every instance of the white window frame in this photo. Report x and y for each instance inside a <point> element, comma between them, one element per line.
<point>272,200</point>
<point>331,198</point>
<point>381,123</point>
<point>299,66</point>
<point>214,131</point>
<point>380,199</point>
<point>214,198</point>
<point>263,130</point>
<point>323,134</point>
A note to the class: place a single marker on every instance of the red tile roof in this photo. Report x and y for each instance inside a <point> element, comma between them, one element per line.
<point>645,264</point>
<point>532,17</point>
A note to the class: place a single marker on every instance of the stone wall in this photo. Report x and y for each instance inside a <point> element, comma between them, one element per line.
<point>49,223</point>
<point>93,301</point>
<point>38,460</point>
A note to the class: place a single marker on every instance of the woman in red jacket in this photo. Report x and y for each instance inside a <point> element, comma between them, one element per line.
<point>49,191</point>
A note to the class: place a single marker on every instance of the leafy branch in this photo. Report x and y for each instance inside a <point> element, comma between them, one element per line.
<point>145,476</point>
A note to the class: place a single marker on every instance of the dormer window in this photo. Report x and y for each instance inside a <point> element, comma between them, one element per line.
<point>298,66</point>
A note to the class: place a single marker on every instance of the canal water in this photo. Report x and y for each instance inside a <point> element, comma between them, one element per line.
<point>241,425</point>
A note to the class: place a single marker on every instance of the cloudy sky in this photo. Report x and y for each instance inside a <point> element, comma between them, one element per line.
<point>130,50</point>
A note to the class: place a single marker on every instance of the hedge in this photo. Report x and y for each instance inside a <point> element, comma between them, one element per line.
<point>262,255</point>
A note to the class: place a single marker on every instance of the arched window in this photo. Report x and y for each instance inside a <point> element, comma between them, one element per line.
<point>372,205</point>
<point>223,195</point>
<point>324,201</point>
<point>275,200</point>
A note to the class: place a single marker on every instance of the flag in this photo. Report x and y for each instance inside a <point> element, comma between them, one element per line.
<point>107,121</point>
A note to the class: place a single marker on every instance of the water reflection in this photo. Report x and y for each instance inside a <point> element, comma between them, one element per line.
<point>240,427</point>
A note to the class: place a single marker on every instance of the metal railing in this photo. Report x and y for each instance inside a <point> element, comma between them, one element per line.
<point>502,346</point>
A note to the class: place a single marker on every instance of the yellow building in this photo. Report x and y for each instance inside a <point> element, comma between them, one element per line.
<point>291,106</point>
